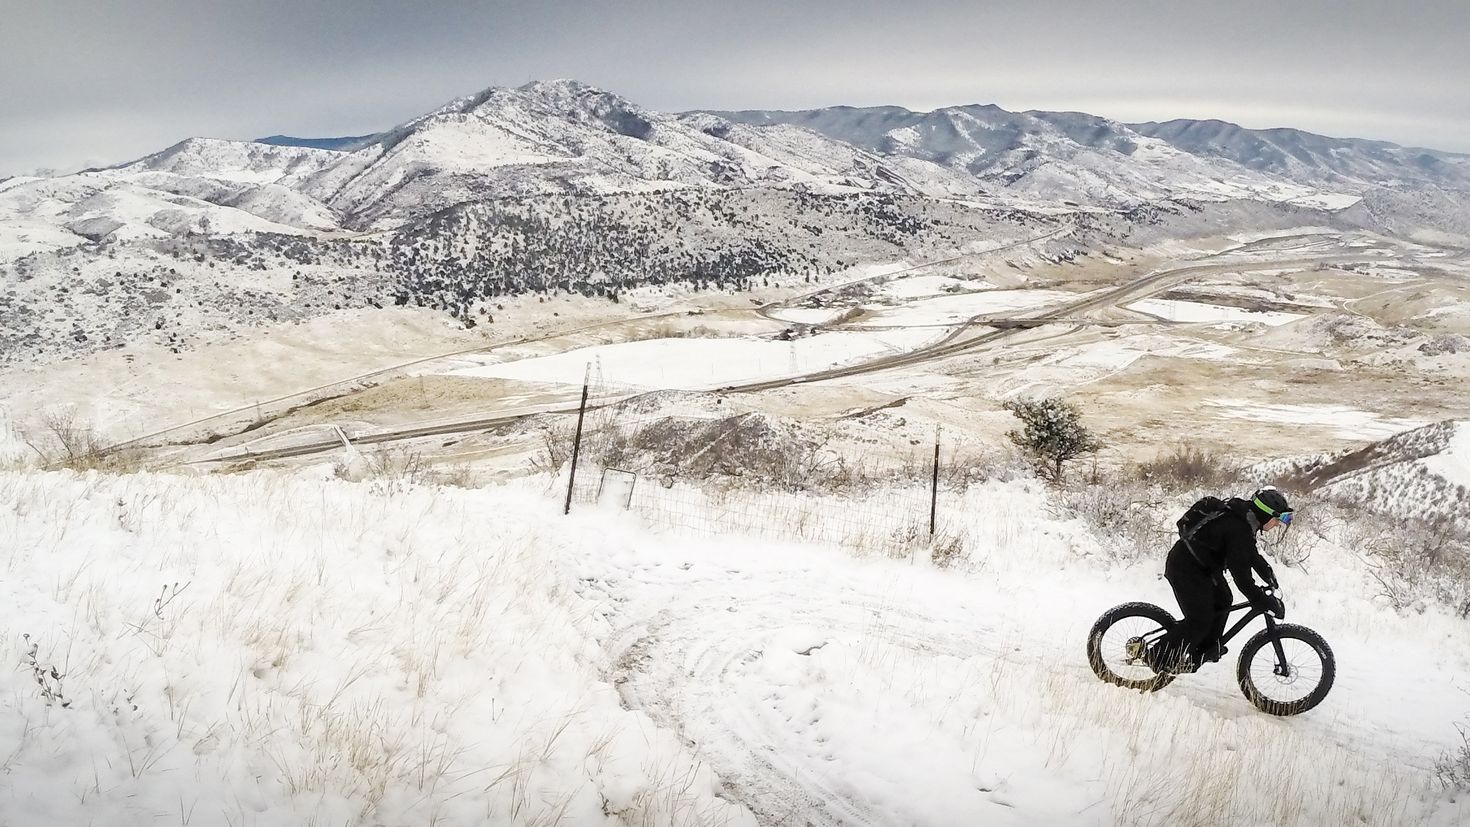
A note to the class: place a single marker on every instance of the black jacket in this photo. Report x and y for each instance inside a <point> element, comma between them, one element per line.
<point>1229,542</point>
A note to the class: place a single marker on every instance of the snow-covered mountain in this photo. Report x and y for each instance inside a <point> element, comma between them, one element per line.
<point>561,186</point>
<point>1080,157</point>
<point>567,138</point>
<point>1306,157</point>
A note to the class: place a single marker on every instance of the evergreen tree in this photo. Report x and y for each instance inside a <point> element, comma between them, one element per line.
<point>1052,432</point>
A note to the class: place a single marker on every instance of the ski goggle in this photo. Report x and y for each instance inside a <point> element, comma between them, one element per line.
<point>1284,517</point>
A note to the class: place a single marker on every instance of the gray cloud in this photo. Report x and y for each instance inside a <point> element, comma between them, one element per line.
<point>109,81</point>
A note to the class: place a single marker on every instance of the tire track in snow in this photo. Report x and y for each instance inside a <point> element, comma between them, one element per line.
<point>686,665</point>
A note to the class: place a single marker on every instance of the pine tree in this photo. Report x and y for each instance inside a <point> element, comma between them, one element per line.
<point>1052,432</point>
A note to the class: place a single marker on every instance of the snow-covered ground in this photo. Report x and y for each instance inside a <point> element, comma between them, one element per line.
<point>260,649</point>
<point>807,315</point>
<point>911,287</point>
<point>1349,422</point>
<point>1185,311</point>
<point>1119,354</point>
<point>1453,463</point>
<point>706,363</point>
<point>956,308</point>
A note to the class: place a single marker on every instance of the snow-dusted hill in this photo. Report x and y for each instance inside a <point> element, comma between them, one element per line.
<point>1306,157</point>
<point>271,649</point>
<point>1424,473</point>
<point>564,137</point>
<point>1081,157</point>
<point>561,186</point>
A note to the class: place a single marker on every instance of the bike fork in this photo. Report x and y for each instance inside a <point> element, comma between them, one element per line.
<point>1282,668</point>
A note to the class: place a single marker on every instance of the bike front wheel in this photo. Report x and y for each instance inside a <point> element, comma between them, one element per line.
<point>1288,685</point>
<point>1116,643</point>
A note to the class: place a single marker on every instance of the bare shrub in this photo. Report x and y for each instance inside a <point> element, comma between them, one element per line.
<point>962,466</point>
<point>455,476</point>
<point>47,676</point>
<point>61,442</point>
<point>388,471</point>
<point>1415,559</point>
<point>1453,765</point>
<point>1122,513</point>
<point>1190,466</point>
<point>670,329</point>
<point>555,448</point>
<point>751,447</point>
<point>947,549</point>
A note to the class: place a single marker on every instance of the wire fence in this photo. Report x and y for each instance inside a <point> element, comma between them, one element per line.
<point>702,462</point>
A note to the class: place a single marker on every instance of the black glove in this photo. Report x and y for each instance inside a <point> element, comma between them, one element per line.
<point>1269,603</point>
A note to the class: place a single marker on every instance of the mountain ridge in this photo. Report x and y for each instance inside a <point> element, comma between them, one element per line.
<point>562,186</point>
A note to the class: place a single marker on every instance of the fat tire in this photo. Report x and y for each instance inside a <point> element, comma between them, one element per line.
<point>1264,702</point>
<point>1094,645</point>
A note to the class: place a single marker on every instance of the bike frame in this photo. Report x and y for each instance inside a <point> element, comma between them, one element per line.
<point>1282,667</point>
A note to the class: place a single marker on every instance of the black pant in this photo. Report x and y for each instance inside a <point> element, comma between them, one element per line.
<point>1204,599</point>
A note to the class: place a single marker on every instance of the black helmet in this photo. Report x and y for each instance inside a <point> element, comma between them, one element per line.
<point>1269,503</point>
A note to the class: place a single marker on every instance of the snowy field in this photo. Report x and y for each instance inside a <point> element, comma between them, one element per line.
<point>1453,463</point>
<point>690,364</point>
<point>913,287</point>
<point>807,315</point>
<point>956,308</point>
<point>260,650</point>
<point>1184,311</point>
<point>1346,421</point>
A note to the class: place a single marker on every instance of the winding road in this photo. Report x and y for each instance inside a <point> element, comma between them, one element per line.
<point>959,341</point>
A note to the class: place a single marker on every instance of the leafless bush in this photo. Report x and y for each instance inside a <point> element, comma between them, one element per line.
<point>1415,559</point>
<point>946,550</point>
<point>962,466</point>
<point>669,329</point>
<point>391,471</point>
<point>1122,513</point>
<point>1453,765</point>
<point>455,476</point>
<point>1189,466</point>
<point>555,449</point>
<point>748,448</point>
<point>388,471</point>
<point>61,442</point>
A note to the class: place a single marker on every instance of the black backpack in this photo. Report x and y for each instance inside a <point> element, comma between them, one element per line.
<point>1203,511</point>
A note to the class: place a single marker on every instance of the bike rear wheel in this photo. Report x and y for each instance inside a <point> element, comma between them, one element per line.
<point>1293,686</point>
<point>1115,645</point>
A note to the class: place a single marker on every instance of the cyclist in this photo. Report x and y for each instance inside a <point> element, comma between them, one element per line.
<point>1195,569</point>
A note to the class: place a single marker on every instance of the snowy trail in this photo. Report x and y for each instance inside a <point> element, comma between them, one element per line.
<point>537,668</point>
<point>829,691</point>
<point>718,663</point>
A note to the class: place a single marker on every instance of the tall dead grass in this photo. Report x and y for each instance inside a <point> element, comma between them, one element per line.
<point>60,441</point>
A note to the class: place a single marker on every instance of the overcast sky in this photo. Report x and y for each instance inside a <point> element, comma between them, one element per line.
<point>103,82</point>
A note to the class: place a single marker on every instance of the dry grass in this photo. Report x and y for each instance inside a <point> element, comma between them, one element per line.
<point>1124,513</point>
<point>1453,766</point>
<point>1190,467</point>
<point>947,549</point>
<point>60,442</point>
<point>393,470</point>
